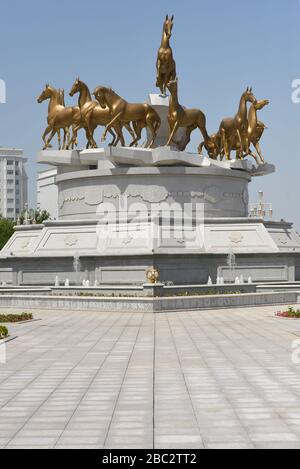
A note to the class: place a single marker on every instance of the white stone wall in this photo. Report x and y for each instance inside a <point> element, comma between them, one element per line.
<point>47,194</point>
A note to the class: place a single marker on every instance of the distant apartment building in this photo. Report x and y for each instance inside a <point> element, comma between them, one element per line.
<point>13,183</point>
<point>47,193</point>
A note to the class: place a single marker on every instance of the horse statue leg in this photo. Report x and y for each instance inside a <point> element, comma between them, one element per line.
<point>69,138</point>
<point>66,140</point>
<point>47,130</point>
<point>182,145</point>
<point>173,131</point>
<point>74,139</point>
<point>225,144</point>
<point>138,127</point>
<point>87,136</point>
<point>254,156</point>
<point>257,148</point>
<point>58,138</point>
<point>113,142</point>
<point>118,128</point>
<point>161,84</point>
<point>91,126</point>
<point>109,125</point>
<point>129,129</point>
<point>153,129</point>
<point>91,133</point>
<point>53,132</point>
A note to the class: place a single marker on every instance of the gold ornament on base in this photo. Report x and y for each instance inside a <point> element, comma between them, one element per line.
<point>152,274</point>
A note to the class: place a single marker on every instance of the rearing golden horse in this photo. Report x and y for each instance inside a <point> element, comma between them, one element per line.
<point>165,64</point>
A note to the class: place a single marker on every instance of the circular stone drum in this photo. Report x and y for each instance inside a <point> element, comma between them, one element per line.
<point>222,192</point>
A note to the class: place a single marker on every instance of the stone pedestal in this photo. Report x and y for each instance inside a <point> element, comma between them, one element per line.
<point>122,210</point>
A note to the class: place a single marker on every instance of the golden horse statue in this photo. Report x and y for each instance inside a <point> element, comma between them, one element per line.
<point>122,113</point>
<point>236,127</point>
<point>59,116</point>
<point>255,127</point>
<point>93,114</point>
<point>190,119</point>
<point>165,64</point>
<point>254,132</point>
<point>213,146</point>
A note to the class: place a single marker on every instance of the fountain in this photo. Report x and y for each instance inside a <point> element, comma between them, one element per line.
<point>77,268</point>
<point>231,262</point>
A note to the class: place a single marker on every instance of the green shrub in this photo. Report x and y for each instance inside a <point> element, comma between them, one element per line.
<point>289,313</point>
<point>15,317</point>
<point>3,332</point>
<point>6,231</point>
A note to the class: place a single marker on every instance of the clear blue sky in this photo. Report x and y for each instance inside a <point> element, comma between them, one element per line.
<point>219,47</point>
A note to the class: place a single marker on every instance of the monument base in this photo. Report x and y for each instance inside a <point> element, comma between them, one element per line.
<point>122,210</point>
<point>119,253</point>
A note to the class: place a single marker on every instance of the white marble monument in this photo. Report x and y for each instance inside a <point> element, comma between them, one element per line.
<point>121,210</point>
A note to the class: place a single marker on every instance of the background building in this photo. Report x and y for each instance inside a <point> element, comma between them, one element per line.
<point>47,193</point>
<point>13,183</point>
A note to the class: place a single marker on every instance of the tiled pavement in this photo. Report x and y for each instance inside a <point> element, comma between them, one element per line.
<point>207,379</point>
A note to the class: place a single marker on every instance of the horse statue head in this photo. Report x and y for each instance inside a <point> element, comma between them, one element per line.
<point>248,95</point>
<point>261,104</point>
<point>76,87</point>
<point>100,94</point>
<point>46,93</point>
<point>168,25</point>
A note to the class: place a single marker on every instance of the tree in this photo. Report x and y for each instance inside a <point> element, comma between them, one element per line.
<point>6,231</point>
<point>33,216</point>
<point>41,215</point>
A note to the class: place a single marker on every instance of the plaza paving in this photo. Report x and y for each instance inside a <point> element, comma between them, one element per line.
<point>206,379</point>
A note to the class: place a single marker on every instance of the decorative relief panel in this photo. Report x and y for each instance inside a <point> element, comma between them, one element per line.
<point>71,240</point>
<point>236,237</point>
<point>70,199</point>
<point>151,194</point>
